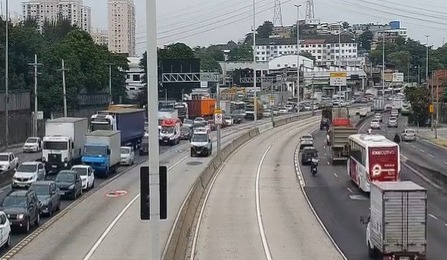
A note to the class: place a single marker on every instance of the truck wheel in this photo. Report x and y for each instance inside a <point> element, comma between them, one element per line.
<point>372,252</point>
<point>192,153</point>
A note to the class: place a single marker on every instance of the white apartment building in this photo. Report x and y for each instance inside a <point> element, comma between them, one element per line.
<point>121,23</point>
<point>100,37</point>
<point>50,10</point>
<point>134,81</point>
<point>324,48</point>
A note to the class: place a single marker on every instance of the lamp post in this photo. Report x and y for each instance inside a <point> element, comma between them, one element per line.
<point>339,59</point>
<point>383,67</point>
<point>63,69</point>
<point>7,75</point>
<point>110,82</point>
<point>298,46</point>
<point>35,64</point>
<point>255,103</point>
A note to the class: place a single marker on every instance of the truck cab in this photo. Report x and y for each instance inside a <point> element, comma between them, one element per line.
<point>170,131</point>
<point>97,156</point>
<point>102,151</point>
<point>57,152</point>
<point>201,144</point>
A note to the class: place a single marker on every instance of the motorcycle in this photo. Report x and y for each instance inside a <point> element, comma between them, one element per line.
<point>313,167</point>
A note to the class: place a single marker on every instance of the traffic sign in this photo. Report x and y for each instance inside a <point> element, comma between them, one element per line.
<point>431,108</point>
<point>217,111</point>
<point>398,77</point>
<point>218,118</point>
<point>338,78</point>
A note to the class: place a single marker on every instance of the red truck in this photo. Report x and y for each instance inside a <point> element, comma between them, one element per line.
<point>201,108</point>
<point>339,131</point>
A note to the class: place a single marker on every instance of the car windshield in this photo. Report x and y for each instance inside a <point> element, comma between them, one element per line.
<point>55,145</point>
<point>31,140</point>
<point>409,131</point>
<point>307,137</point>
<point>27,168</point>
<point>200,124</point>
<point>199,138</point>
<point>95,150</point>
<point>80,170</point>
<point>40,189</point>
<point>311,151</point>
<point>375,121</point>
<point>4,158</point>
<point>65,177</point>
<point>14,201</point>
<point>199,119</point>
<point>167,130</point>
<point>125,151</point>
<point>184,129</point>
<point>227,117</point>
<point>393,119</point>
<point>188,121</point>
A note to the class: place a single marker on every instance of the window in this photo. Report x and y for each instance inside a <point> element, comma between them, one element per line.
<point>358,152</point>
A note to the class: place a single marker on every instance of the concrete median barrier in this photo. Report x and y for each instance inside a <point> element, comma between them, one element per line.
<point>6,178</point>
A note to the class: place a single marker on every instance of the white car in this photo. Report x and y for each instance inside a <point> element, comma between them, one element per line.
<point>5,230</point>
<point>307,138</point>
<point>198,120</point>
<point>28,173</point>
<point>32,144</point>
<point>8,161</point>
<point>375,123</point>
<point>283,110</point>
<point>87,175</point>
<point>188,122</point>
<point>228,120</point>
<point>127,155</point>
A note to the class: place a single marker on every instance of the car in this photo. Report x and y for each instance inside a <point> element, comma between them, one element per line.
<point>5,230</point>
<point>69,183</point>
<point>308,153</point>
<point>305,143</point>
<point>228,120</point>
<point>87,175</point>
<point>275,111</point>
<point>28,173</point>
<point>32,144</point>
<point>48,196</point>
<point>185,132</point>
<point>388,107</point>
<point>394,113</point>
<point>212,125</point>
<point>201,144</point>
<point>408,135</point>
<point>8,161</point>
<point>307,138</point>
<point>188,122</point>
<point>267,113</point>
<point>22,207</point>
<point>392,122</point>
<point>144,146</point>
<point>283,110</point>
<point>199,120</point>
<point>127,155</point>
<point>375,124</point>
<point>378,116</point>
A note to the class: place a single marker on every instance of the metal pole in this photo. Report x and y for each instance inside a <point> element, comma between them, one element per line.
<point>35,64</point>
<point>432,100</point>
<point>271,106</point>
<point>339,58</point>
<point>255,101</point>
<point>437,107</point>
<point>312,98</point>
<point>7,76</point>
<point>426,62</point>
<point>383,67</point>
<point>110,84</point>
<point>298,48</point>
<point>64,88</point>
<point>152,101</point>
<point>218,125</point>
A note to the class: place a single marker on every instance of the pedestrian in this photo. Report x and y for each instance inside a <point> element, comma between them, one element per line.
<point>369,131</point>
<point>397,138</point>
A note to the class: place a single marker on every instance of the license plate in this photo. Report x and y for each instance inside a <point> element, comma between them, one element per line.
<point>404,258</point>
<point>62,193</point>
<point>165,141</point>
<point>54,166</point>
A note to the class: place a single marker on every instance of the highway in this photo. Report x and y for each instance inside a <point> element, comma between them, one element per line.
<point>256,209</point>
<point>339,203</point>
<point>88,218</point>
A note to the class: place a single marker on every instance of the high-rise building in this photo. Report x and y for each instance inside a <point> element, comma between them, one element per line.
<point>51,10</point>
<point>121,23</point>
<point>100,37</point>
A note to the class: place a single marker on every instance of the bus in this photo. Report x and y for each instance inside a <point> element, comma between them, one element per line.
<point>372,158</point>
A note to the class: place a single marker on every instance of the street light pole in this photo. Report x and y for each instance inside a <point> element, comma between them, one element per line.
<point>298,47</point>
<point>35,64</point>
<point>339,58</point>
<point>63,69</point>
<point>255,101</point>
<point>152,103</point>
<point>426,60</point>
<point>437,107</point>
<point>110,82</point>
<point>7,75</point>
<point>383,67</point>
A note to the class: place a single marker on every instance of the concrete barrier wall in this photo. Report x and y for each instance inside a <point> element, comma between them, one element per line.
<point>180,244</point>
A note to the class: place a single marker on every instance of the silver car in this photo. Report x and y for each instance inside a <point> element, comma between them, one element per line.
<point>408,135</point>
<point>392,122</point>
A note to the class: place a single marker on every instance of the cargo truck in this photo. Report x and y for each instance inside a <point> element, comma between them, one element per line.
<point>250,110</point>
<point>326,118</point>
<point>397,224</point>
<point>182,110</point>
<point>339,132</point>
<point>63,142</point>
<point>378,104</point>
<point>130,123</point>
<point>102,151</point>
<point>225,106</point>
<point>201,108</point>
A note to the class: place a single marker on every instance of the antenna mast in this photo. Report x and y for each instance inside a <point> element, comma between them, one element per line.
<point>277,16</point>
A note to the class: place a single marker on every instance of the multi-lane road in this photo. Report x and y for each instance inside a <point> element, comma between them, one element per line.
<point>339,203</point>
<point>74,233</point>
<point>256,210</point>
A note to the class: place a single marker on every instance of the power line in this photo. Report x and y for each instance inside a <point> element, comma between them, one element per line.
<point>408,10</point>
<point>415,7</point>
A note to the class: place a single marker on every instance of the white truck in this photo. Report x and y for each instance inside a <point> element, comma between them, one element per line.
<point>63,142</point>
<point>378,104</point>
<point>397,224</point>
<point>102,151</point>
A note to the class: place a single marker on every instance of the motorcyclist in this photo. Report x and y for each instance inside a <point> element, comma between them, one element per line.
<point>397,138</point>
<point>314,163</point>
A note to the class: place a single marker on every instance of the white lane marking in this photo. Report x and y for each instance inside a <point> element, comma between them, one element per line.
<point>413,146</point>
<point>109,228</point>
<point>268,255</point>
<point>422,151</point>
<point>349,189</point>
<point>119,216</point>
<point>422,176</point>
<point>445,225</point>
<point>431,155</point>
<point>335,174</point>
<point>433,216</point>
<point>445,163</point>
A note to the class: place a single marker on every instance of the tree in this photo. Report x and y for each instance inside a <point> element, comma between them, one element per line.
<point>241,53</point>
<point>419,98</point>
<point>176,51</point>
<point>307,55</point>
<point>345,25</point>
<point>365,40</point>
<point>265,30</point>
<point>401,59</point>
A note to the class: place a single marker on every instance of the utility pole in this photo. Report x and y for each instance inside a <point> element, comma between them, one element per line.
<point>7,75</point>
<point>110,82</point>
<point>437,106</point>
<point>255,101</point>
<point>35,64</point>
<point>312,98</point>
<point>426,61</point>
<point>383,67</point>
<point>298,46</point>
<point>432,83</point>
<point>63,69</point>
<point>339,59</point>
<point>154,158</point>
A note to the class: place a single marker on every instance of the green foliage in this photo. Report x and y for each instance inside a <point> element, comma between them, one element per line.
<point>265,30</point>
<point>419,98</point>
<point>176,51</point>
<point>242,52</point>
<point>365,39</point>
<point>307,55</point>
<point>86,61</point>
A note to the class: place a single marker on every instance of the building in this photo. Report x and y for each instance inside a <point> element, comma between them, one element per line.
<point>134,77</point>
<point>390,32</point>
<point>324,48</point>
<point>51,10</point>
<point>100,37</point>
<point>121,23</point>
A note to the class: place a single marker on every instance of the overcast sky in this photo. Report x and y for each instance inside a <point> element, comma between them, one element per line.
<point>205,22</point>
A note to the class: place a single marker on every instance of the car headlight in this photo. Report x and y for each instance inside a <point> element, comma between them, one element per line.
<point>65,164</point>
<point>20,216</point>
<point>71,187</point>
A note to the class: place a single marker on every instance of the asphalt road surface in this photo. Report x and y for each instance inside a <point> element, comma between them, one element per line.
<point>73,235</point>
<point>339,203</point>
<point>256,209</point>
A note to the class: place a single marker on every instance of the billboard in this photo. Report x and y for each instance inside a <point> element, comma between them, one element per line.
<point>398,77</point>
<point>338,78</point>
